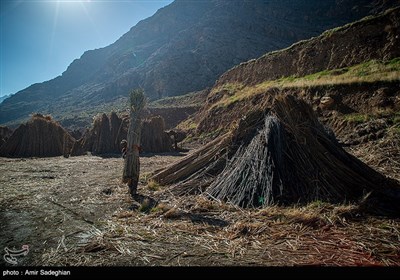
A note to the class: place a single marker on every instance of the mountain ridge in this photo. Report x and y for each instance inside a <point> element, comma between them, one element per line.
<point>183,47</point>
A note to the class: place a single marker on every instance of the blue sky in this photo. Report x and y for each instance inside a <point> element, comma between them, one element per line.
<point>39,39</point>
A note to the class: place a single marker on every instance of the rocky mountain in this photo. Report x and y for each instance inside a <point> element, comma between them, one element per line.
<point>2,98</point>
<point>183,47</point>
<point>373,38</point>
<point>356,66</point>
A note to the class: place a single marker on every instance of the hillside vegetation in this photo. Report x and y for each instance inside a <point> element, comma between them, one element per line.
<point>368,72</point>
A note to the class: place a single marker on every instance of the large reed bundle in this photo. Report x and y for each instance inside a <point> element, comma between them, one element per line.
<point>39,137</point>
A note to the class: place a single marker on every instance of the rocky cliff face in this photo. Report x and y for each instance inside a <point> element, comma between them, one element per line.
<point>374,38</point>
<point>183,47</point>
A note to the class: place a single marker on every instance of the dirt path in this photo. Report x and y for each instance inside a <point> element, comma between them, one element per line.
<point>75,212</point>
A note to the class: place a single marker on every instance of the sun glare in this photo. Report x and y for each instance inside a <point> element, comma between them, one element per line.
<point>72,1</point>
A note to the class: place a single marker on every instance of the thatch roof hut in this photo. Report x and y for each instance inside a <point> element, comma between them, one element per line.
<point>39,137</point>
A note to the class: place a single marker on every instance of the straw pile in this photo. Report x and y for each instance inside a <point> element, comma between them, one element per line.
<point>153,136</point>
<point>291,159</point>
<point>39,137</point>
<point>102,138</point>
<point>5,133</point>
<point>107,133</point>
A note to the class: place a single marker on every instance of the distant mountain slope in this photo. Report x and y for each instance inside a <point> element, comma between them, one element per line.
<point>182,48</point>
<point>362,58</point>
<point>2,98</point>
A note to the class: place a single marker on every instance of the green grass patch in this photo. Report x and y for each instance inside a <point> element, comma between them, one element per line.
<point>394,62</point>
<point>205,135</point>
<point>187,125</point>
<point>317,76</point>
<point>367,72</point>
<point>229,88</point>
<point>194,99</point>
<point>287,79</point>
<point>396,119</point>
<point>156,210</point>
<point>357,118</point>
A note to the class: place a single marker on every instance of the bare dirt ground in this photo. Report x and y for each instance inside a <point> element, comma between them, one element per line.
<point>75,211</point>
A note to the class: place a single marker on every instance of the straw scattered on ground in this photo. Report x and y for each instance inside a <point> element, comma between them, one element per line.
<point>75,211</point>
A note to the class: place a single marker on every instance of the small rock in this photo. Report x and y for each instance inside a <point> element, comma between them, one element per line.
<point>326,102</point>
